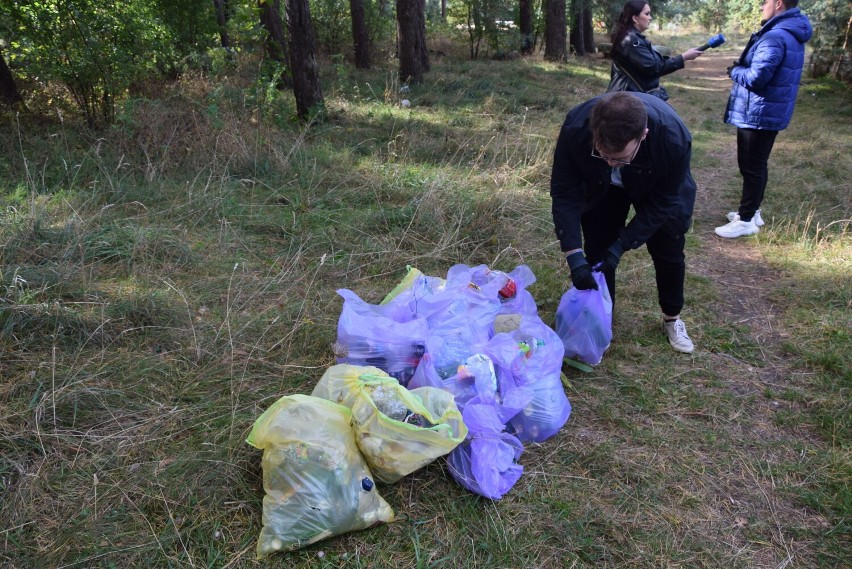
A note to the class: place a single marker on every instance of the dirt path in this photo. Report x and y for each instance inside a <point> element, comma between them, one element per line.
<point>744,280</point>
<point>735,265</point>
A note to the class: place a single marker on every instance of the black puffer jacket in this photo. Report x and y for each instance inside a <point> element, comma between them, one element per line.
<point>658,180</point>
<point>637,66</point>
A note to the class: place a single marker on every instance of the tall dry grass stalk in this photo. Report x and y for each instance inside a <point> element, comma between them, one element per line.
<point>164,283</point>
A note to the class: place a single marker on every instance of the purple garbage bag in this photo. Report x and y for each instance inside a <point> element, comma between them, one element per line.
<point>584,322</point>
<point>486,463</point>
<point>531,358</point>
<point>366,336</point>
<point>509,288</point>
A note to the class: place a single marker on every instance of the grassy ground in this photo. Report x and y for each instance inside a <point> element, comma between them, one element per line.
<point>167,280</point>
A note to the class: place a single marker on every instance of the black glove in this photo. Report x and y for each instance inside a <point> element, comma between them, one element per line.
<point>612,256</point>
<point>581,272</point>
<point>731,67</point>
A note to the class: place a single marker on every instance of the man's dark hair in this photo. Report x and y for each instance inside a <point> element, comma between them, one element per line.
<point>790,4</point>
<point>616,119</point>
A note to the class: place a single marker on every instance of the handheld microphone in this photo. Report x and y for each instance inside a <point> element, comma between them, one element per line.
<point>715,41</point>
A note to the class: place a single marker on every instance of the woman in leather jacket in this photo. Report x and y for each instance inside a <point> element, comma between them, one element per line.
<point>636,65</point>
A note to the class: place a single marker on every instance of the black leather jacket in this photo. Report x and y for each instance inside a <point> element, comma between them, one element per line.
<point>658,180</point>
<point>637,66</point>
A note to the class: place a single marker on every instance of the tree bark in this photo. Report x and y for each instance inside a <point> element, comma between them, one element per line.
<point>275,43</point>
<point>8,89</point>
<point>359,34</point>
<point>582,33</point>
<point>525,23</point>
<point>578,41</point>
<point>306,85</point>
<point>413,57</point>
<point>555,31</point>
<point>589,30</point>
<point>222,16</point>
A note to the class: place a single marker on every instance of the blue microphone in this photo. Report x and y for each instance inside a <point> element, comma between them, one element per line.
<point>715,41</point>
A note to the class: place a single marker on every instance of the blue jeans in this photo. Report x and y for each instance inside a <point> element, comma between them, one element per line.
<point>601,226</point>
<point>753,148</point>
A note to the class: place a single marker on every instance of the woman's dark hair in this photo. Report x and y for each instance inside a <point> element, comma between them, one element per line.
<point>625,22</point>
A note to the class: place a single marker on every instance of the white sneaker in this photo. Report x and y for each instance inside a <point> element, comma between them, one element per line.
<point>678,338</point>
<point>737,228</point>
<point>758,221</point>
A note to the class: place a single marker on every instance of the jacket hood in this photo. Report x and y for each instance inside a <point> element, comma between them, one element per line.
<point>793,22</point>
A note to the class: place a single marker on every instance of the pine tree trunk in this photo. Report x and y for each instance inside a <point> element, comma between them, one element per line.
<point>588,30</point>
<point>555,31</point>
<point>306,85</point>
<point>578,41</point>
<point>526,27</point>
<point>413,57</point>
<point>359,34</point>
<point>222,12</point>
<point>8,89</point>
<point>275,43</point>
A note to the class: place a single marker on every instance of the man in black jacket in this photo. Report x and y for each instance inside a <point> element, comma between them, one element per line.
<point>614,151</point>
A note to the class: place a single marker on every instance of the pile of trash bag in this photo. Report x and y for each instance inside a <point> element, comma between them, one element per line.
<point>315,480</point>
<point>322,453</point>
<point>477,335</point>
<point>461,367</point>
<point>397,431</point>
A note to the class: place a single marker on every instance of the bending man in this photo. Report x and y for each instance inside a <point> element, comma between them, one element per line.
<point>614,151</point>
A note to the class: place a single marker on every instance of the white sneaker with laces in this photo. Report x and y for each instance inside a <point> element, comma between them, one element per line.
<point>757,219</point>
<point>678,338</point>
<point>737,228</point>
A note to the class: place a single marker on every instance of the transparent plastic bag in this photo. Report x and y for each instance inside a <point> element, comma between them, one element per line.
<point>487,462</point>
<point>402,303</point>
<point>369,335</point>
<point>531,358</point>
<point>584,321</point>
<point>464,321</point>
<point>509,288</point>
<point>397,430</point>
<point>316,482</point>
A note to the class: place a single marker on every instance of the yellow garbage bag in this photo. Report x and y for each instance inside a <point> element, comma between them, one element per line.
<point>397,430</point>
<point>316,482</point>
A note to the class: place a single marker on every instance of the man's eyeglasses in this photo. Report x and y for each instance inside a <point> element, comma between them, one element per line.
<point>596,153</point>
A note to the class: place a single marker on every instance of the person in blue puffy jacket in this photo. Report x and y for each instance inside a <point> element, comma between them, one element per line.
<point>614,152</point>
<point>766,80</point>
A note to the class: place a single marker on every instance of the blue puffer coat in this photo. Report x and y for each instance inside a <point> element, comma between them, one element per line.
<point>766,77</point>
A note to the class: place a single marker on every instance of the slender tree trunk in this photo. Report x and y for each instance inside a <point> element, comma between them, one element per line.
<point>421,33</point>
<point>578,42</point>
<point>306,85</point>
<point>555,31</point>
<point>837,66</point>
<point>588,30</point>
<point>275,43</point>
<point>413,57</point>
<point>8,89</point>
<point>222,16</point>
<point>525,23</point>
<point>359,34</point>
<point>582,32</point>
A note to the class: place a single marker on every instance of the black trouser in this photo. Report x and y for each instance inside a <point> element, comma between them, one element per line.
<point>753,148</point>
<point>601,226</point>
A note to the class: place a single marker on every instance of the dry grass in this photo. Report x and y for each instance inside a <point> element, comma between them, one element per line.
<point>165,284</point>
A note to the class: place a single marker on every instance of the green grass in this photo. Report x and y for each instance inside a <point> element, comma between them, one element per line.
<point>163,284</point>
